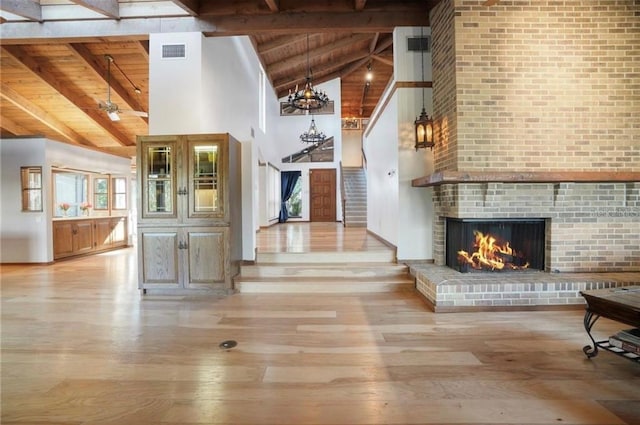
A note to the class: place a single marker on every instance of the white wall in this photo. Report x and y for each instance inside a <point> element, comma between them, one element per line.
<point>392,161</point>
<point>23,235</point>
<point>381,150</point>
<point>352,148</point>
<point>216,90</point>
<point>27,237</point>
<point>289,129</point>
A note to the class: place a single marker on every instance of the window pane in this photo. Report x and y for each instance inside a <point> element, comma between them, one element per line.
<point>120,202</point>
<point>159,196</point>
<point>205,168</point>
<point>119,185</point>
<point>31,179</point>
<point>101,194</point>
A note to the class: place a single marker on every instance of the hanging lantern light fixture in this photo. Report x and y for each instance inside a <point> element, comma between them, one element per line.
<point>423,124</point>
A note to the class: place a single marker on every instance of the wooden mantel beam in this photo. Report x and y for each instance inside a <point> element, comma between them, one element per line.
<point>458,177</point>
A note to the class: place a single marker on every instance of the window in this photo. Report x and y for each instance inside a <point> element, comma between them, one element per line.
<point>119,187</point>
<point>31,178</point>
<point>70,190</point>
<point>101,193</point>
<point>294,203</point>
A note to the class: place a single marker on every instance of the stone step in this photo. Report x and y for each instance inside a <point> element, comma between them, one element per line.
<point>340,257</point>
<point>318,285</point>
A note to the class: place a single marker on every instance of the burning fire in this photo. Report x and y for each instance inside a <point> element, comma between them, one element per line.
<point>490,255</point>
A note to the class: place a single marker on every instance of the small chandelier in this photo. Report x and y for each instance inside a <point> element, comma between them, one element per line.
<point>313,135</point>
<point>308,99</point>
<point>423,124</point>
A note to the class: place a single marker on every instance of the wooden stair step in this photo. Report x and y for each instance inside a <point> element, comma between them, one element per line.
<point>341,257</point>
<point>318,285</point>
<point>368,270</point>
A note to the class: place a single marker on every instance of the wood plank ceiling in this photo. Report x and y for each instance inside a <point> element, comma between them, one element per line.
<point>53,55</point>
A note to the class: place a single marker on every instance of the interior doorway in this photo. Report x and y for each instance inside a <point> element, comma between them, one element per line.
<point>322,194</point>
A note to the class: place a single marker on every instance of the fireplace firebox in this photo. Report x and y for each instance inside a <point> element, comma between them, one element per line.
<point>495,245</point>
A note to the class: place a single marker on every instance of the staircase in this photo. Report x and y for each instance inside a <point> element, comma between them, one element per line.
<point>324,272</point>
<point>355,188</point>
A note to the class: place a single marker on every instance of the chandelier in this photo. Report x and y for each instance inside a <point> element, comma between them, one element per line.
<point>308,98</point>
<point>313,135</point>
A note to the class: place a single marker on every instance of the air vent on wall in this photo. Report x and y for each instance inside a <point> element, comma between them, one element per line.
<point>417,44</point>
<point>174,51</point>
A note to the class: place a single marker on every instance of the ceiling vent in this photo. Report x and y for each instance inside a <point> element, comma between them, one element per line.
<point>174,51</point>
<point>419,44</point>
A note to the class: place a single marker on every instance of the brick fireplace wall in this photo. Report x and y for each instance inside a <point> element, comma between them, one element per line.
<point>545,87</point>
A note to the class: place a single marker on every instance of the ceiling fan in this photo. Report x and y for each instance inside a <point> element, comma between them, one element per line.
<point>111,108</point>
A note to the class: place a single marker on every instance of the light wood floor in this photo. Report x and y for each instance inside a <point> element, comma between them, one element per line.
<point>80,346</point>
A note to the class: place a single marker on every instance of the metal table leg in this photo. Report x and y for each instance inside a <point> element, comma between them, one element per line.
<point>589,320</point>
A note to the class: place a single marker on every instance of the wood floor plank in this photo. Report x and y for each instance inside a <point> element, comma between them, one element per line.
<point>81,346</point>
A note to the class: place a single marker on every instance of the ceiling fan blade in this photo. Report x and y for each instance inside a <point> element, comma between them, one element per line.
<point>136,113</point>
<point>113,115</point>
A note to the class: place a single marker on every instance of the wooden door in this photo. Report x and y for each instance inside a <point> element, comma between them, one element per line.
<point>322,192</point>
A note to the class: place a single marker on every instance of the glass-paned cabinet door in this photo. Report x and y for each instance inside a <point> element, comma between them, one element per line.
<point>205,195</point>
<point>159,180</point>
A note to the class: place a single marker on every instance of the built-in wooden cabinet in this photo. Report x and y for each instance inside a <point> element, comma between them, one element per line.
<point>189,218</point>
<point>110,233</point>
<point>80,236</point>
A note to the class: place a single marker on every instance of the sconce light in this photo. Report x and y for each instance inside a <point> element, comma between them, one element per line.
<point>424,131</point>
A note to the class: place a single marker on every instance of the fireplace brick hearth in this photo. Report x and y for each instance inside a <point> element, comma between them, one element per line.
<point>447,290</point>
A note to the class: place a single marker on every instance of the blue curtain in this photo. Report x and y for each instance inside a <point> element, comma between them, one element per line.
<point>288,181</point>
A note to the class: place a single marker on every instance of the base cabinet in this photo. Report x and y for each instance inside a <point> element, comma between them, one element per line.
<point>183,258</point>
<point>72,238</point>
<point>110,233</point>
<point>85,236</point>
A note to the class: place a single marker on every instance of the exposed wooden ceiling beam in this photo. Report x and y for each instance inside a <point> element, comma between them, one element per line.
<point>365,21</point>
<point>41,115</point>
<point>382,60</point>
<point>99,70</point>
<point>272,5</point>
<point>26,9</point>
<point>108,8</point>
<point>81,101</point>
<point>280,23</point>
<point>13,127</point>
<point>280,42</point>
<point>374,42</point>
<point>359,4</point>
<point>314,53</point>
<point>192,7</point>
